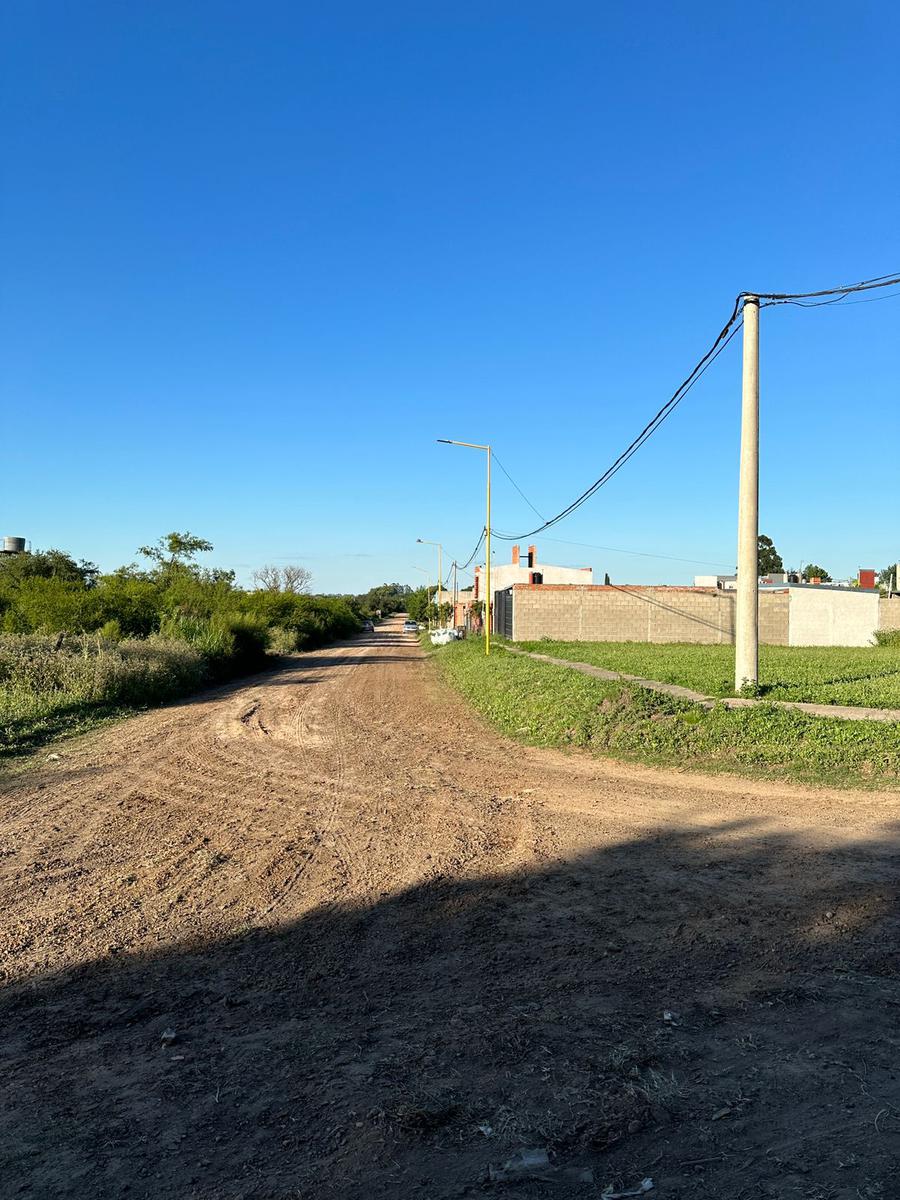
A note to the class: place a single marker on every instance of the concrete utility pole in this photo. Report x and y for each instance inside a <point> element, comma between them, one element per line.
<point>746,632</point>
<point>487,561</point>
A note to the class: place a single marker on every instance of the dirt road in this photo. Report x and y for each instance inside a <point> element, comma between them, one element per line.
<point>325,935</point>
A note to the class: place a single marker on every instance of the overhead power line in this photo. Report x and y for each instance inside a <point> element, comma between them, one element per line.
<point>731,327</point>
<point>516,486</point>
<point>462,566</point>
<point>700,562</point>
<point>817,299</point>
<point>866,285</point>
<point>612,549</point>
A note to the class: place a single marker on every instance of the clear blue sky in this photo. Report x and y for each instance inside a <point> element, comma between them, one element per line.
<point>257,257</point>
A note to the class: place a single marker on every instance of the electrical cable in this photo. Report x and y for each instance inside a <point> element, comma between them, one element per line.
<point>837,300</point>
<point>731,327</point>
<point>874,299</point>
<point>866,285</point>
<point>612,549</point>
<point>462,567</point>
<point>729,330</point>
<point>516,486</point>
<point>702,562</point>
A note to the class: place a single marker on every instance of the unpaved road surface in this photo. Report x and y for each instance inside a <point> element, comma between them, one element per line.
<point>325,935</point>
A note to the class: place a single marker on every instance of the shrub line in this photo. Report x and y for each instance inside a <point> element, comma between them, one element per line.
<point>842,712</point>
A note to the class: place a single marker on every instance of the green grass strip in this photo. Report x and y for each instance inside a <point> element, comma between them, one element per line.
<point>546,705</point>
<point>868,676</point>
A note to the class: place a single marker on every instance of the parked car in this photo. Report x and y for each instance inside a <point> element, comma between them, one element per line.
<point>410,627</point>
<point>368,626</point>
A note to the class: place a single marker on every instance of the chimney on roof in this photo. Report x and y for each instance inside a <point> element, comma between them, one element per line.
<point>532,556</point>
<point>515,557</point>
<point>866,577</point>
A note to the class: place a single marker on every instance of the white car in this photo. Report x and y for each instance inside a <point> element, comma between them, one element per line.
<point>410,627</point>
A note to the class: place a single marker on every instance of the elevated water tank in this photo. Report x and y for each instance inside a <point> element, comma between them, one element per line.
<point>13,545</point>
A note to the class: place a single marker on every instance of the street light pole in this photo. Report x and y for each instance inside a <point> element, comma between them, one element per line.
<point>427,591</point>
<point>487,529</point>
<point>440,550</point>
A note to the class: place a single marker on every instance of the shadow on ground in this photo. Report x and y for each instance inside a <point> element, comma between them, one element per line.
<point>717,1010</point>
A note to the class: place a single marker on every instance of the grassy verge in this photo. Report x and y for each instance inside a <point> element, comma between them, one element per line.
<point>868,676</point>
<point>546,705</point>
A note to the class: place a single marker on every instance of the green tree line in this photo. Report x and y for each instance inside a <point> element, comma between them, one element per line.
<point>169,593</point>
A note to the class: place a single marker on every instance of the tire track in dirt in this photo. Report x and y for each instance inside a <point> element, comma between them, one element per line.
<point>376,926</point>
<point>318,738</point>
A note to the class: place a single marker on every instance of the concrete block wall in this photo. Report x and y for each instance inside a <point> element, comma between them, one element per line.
<point>640,614</point>
<point>889,612</point>
<point>774,618</point>
<point>833,617</point>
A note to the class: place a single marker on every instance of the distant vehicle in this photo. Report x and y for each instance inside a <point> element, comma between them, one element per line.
<point>410,627</point>
<point>368,627</point>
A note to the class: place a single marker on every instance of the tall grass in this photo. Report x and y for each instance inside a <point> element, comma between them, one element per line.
<point>52,684</point>
<point>76,648</point>
<point>232,644</point>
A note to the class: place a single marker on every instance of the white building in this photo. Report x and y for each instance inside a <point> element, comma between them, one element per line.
<point>524,568</point>
<point>725,583</point>
<point>728,583</point>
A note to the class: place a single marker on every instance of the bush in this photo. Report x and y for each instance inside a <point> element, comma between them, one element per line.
<point>232,644</point>
<point>887,637</point>
<point>48,685</point>
<point>72,640</point>
<point>50,605</point>
<point>313,620</point>
<point>282,641</point>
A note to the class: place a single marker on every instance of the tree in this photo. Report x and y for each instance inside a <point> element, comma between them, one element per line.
<point>768,559</point>
<point>886,577</point>
<point>811,571</point>
<point>387,598</point>
<point>175,549</point>
<point>293,579</point>
<point>46,564</point>
<point>418,604</point>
